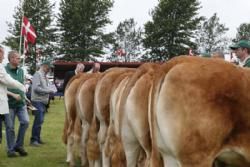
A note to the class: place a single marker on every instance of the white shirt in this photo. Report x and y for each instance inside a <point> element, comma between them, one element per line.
<point>7,81</point>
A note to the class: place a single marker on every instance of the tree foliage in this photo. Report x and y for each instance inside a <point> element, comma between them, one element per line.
<point>170,32</point>
<point>81,23</point>
<point>40,15</point>
<point>211,35</point>
<point>243,32</point>
<point>127,39</point>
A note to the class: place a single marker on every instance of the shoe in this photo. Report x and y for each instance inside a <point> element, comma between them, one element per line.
<point>21,151</point>
<point>11,154</point>
<point>41,142</point>
<point>34,144</point>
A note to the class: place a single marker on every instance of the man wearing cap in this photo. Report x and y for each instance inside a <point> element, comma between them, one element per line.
<point>242,52</point>
<point>17,107</point>
<point>39,97</point>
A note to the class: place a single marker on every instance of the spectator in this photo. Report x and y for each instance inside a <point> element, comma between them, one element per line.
<point>39,97</point>
<point>79,69</point>
<point>7,81</point>
<point>242,52</point>
<point>17,105</point>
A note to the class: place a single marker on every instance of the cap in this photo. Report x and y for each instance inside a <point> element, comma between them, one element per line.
<point>47,63</point>
<point>241,44</point>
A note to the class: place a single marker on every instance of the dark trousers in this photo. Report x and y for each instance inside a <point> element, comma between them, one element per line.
<point>38,121</point>
<point>1,127</point>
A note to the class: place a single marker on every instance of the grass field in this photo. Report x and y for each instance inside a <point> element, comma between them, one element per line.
<point>51,154</point>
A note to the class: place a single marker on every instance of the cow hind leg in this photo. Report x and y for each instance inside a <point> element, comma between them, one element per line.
<point>85,129</point>
<point>70,153</point>
<point>131,145</point>
<point>170,161</point>
<point>132,151</point>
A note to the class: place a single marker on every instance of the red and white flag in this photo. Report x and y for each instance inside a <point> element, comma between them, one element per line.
<point>28,31</point>
<point>26,46</point>
<point>120,52</point>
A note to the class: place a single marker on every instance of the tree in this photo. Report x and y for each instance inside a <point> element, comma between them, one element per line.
<point>40,16</point>
<point>170,32</point>
<point>243,32</point>
<point>81,23</point>
<point>127,40</point>
<point>211,35</point>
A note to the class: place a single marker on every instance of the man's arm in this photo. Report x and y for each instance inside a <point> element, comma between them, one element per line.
<point>8,81</point>
<point>15,96</point>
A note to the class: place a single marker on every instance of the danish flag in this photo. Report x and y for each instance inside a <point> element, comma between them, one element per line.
<point>28,32</point>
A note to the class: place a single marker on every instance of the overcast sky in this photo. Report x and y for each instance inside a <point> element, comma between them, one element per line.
<point>231,12</point>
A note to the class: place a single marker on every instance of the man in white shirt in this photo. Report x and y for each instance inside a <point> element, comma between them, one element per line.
<point>7,81</point>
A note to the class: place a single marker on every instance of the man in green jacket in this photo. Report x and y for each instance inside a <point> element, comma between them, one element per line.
<point>242,52</point>
<point>17,106</point>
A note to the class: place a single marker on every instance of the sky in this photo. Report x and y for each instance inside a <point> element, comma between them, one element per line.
<point>231,13</point>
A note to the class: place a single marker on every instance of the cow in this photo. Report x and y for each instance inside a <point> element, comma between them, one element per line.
<point>72,126</point>
<point>102,105</point>
<point>85,109</point>
<point>134,126</point>
<point>201,113</point>
<point>113,147</point>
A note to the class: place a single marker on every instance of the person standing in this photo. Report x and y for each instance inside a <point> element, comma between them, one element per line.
<point>79,69</point>
<point>17,107</point>
<point>7,81</point>
<point>39,98</point>
<point>242,52</point>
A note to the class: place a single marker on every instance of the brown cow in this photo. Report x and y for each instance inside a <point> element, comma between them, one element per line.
<point>134,112</point>
<point>202,113</point>
<point>85,109</point>
<point>72,130</point>
<point>102,105</point>
<point>113,144</point>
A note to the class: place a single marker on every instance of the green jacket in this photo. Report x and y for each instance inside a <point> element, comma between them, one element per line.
<point>18,75</point>
<point>247,63</point>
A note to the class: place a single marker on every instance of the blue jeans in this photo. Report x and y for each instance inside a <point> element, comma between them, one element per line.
<point>10,133</point>
<point>38,121</point>
<point>23,117</point>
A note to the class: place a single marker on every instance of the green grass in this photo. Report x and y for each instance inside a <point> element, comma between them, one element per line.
<point>53,153</point>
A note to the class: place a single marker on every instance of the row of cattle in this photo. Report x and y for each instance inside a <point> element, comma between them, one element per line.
<point>187,112</point>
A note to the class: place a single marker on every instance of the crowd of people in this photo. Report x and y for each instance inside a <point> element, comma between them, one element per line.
<point>13,100</point>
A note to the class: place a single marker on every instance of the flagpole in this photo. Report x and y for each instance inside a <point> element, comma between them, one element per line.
<point>20,43</point>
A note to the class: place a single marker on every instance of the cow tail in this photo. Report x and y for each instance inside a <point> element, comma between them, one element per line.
<point>93,149</point>
<point>65,129</point>
<point>118,158</point>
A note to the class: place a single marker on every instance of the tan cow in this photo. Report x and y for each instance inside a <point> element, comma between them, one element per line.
<point>202,113</point>
<point>134,112</point>
<point>113,144</point>
<point>102,105</point>
<point>72,127</point>
<point>85,109</point>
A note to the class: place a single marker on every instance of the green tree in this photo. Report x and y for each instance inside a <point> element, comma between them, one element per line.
<point>243,32</point>
<point>128,40</point>
<point>81,24</point>
<point>211,35</point>
<point>172,27</point>
<point>40,15</point>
